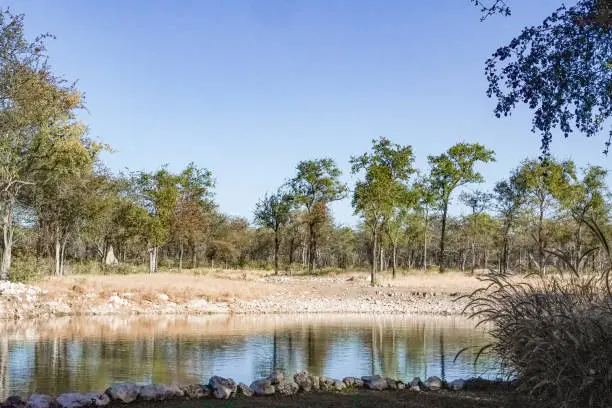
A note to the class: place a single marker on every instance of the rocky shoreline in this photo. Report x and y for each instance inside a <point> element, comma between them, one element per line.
<point>19,301</point>
<point>221,388</point>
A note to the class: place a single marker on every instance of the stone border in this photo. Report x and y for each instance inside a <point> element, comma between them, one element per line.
<point>226,388</point>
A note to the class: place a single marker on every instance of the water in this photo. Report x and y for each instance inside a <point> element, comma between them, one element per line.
<point>90,353</point>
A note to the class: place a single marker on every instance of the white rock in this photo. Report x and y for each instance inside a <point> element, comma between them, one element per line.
<point>223,388</point>
<point>457,385</point>
<point>124,392</point>
<point>41,401</point>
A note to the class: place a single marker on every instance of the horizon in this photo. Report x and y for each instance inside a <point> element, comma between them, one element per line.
<point>257,87</point>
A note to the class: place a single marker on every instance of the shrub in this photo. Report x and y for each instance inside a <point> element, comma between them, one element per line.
<point>554,336</point>
<point>28,268</point>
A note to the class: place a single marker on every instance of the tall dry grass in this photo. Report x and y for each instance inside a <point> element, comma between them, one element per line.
<point>554,334</point>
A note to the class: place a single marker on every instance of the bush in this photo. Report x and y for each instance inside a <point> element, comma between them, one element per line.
<point>554,336</point>
<point>28,268</point>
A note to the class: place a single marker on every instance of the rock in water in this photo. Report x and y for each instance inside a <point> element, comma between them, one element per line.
<point>197,391</point>
<point>14,402</point>
<point>244,389</point>
<point>457,385</point>
<point>304,380</point>
<point>124,392</point>
<point>41,401</point>
<point>433,383</point>
<point>160,392</point>
<point>338,385</point>
<point>276,377</point>
<point>415,384</point>
<point>223,388</point>
<point>353,382</point>
<point>375,382</point>
<point>286,386</point>
<point>391,383</point>
<point>78,400</point>
<point>262,387</point>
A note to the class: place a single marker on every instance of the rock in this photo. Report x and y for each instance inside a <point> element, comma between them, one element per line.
<point>163,297</point>
<point>276,377</point>
<point>286,386</point>
<point>124,392</point>
<point>375,382</point>
<point>223,388</point>
<point>197,391</point>
<point>353,382</point>
<point>401,385</point>
<point>338,385</point>
<point>316,383</point>
<point>415,384</point>
<point>456,385</point>
<point>262,387</point>
<point>41,401</point>
<point>14,402</point>
<point>160,392</point>
<point>304,380</point>
<point>245,390</point>
<point>433,383</point>
<point>78,400</point>
<point>391,383</point>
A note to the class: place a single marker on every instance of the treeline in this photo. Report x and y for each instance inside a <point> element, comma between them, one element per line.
<point>59,205</point>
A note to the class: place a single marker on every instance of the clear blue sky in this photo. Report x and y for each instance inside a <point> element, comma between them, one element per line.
<point>247,88</point>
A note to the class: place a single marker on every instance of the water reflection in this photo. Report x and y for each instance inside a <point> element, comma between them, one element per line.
<point>84,354</point>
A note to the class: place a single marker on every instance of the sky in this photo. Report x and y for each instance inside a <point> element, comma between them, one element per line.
<point>248,88</point>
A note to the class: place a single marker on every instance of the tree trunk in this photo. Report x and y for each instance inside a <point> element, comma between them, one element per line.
<point>312,250</point>
<point>181,249</point>
<point>374,253</point>
<point>194,257</point>
<point>276,248</point>
<point>291,250</point>
<point>58,251</point>
<point>443,235</point>
<point>7,236</point>
<point>63,255</point>
<point>394,259</point>
<point>153,259</point>
<point>473,256</point>
<point>425,239</point>
<point>382,259</point>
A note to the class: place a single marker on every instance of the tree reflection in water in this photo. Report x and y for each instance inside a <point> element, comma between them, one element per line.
<point>85,354</point>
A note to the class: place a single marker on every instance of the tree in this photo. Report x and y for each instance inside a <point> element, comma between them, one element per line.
<point>546,183</point>
<point>425,199</point>
<point>561,69</point>
<point>478,202</point>
<point>273,212</point>
<point>453,169</point>
<point>384,187</point>
<point>316,184</point>
<point>509,196</point>
<point>33,103</point>
<point>190,223</point>
<point>157,193</point>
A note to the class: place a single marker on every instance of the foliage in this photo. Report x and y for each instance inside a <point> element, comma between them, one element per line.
<point>561,69</point>
<point>453,169</point>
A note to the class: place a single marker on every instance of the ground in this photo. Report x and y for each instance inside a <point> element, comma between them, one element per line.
<point>361,399</point>
<point>238,291</point>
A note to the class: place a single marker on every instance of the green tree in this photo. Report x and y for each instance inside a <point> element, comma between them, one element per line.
<point>387,170</point>
<point>190,222</point>
<point>509,197</point>
<point>33,105</point>
<point>273,212</point>
<point>425,199</point>
<point>546,183</point>
<point>157,193</point>
<point>316,184</point>
<point>561,69</point>
<point>453,169</point>
<point>478,202</point>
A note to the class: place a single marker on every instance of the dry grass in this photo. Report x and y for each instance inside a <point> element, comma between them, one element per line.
<point>224,285</point>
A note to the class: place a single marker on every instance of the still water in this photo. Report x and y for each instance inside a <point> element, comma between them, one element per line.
<point>89,353</point>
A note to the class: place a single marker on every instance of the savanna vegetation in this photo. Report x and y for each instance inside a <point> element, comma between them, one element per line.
<point>62,211</point>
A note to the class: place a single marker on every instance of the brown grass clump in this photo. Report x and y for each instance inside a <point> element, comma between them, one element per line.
<point>554,336</point>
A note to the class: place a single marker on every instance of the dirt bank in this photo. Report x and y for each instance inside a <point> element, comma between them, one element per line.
<point>238,292</point>
<point>361,399</point>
